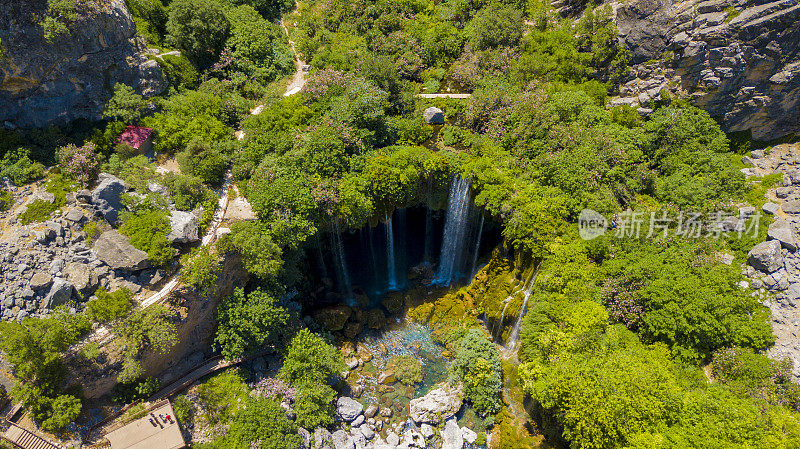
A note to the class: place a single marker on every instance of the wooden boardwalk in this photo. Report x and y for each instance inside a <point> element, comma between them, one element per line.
<point>25,439</point>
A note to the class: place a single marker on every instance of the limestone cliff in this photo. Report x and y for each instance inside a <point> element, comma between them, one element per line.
<point>44,83</point>
<point>737,59</point>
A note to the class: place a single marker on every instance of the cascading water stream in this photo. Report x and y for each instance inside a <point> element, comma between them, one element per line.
<point>513,338</point>
<point>477,249</point>
<point>392,272</point>
<point>454,229</point>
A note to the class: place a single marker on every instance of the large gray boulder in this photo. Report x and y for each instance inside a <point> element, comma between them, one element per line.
<point>60,293</point>
<point>348,409</point>
<point>451,435</point>
<point>341,440</point>
<point>781,231</point>
<point>438,405</point>
<point>322,439</point>
<point>41,280</point>
<point>82,277</point>
<point>106,197</point>
<point>117,252</point>
<point>766,256</point>
<point>183,227</point>
<point>433,116</point>
<point>305,438</point>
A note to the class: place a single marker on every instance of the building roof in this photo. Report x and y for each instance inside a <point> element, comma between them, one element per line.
<point>135,136</point>
<point>142,434</point>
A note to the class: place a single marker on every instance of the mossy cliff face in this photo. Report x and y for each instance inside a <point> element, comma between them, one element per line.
<point>71,76</point>
<point>495,294</point>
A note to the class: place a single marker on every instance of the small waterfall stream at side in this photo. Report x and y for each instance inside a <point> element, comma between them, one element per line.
<point>473,271</point>
<point>390,260</point>
<point>454,230</point>
<point>513,338</point>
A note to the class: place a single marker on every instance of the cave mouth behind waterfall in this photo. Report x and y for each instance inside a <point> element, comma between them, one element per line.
<point>414,245</point>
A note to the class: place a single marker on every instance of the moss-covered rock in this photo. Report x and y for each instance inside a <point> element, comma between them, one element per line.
<point>406,368</point>
<point>333,318</point>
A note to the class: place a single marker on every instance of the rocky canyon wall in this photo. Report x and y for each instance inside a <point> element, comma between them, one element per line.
<point>737,59</point>
<point>52,83</point>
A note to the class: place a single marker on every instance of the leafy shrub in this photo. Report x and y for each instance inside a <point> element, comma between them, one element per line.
<point>92,232</point>
<point>184,410</point>
<point>187,192</point>
<point>149,329</point>
<point>147,230</point>
<point>17,165</point>
<point>109,306</point>
<point>40,210</point>
<point>201,269</point>
<point>125,105</point>
<point>477,365</point>
<point>199,28</point>
<point>315,406</point>
<point>90,351</point>
<point>6,200</point>
<point>60,14</point>
<point>248,322</point>
<point>150,17</point>
<point>222,395</point>
<point>200,159</point>
<point>264,423</point>
<point>179,71</point>
<point>79,163</point>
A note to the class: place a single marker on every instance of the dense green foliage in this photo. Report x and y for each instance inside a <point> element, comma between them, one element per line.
<point>147,229</point>
<point>150,329</point>
<point>263,421</point>
<point>125,105</point>
<point>201,269</point>
<point>247,322</point>
<point>33,347</point>
<point>477,365</point>
<point>109,306</point>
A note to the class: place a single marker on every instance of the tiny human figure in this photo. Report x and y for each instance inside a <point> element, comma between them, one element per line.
<point>153,423</point>
<point>169,418</point>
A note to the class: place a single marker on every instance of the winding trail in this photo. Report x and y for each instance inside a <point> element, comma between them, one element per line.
<point>299,78</point>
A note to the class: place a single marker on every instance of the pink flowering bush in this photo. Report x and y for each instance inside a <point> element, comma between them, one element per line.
<point>326,82</point>
<point>619,297</point>
<point>79,163</point>
<point>271,388</point>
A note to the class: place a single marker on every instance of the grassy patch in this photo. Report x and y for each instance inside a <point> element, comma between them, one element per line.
<point>40,210</point>
<point>731,12</point>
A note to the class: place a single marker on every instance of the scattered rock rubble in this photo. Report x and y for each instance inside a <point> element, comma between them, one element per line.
<point>774,266</point>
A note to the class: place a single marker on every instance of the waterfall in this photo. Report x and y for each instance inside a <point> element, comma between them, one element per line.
<point>513,339</point>
<point>477,248</point>
<point>341,262</point>
<point>390,254</point>
<point>454,229</point>
<point>499,328</point>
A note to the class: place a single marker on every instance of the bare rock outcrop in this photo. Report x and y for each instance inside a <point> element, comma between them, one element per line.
<point>72,76</point>
<point>737,59</point>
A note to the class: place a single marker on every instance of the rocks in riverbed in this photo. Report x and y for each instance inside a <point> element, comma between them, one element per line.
<point>322,439</point>
<point>451,435</point>
<point>348,409</point>
<point>438,405</point>
<point>333,318</point>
